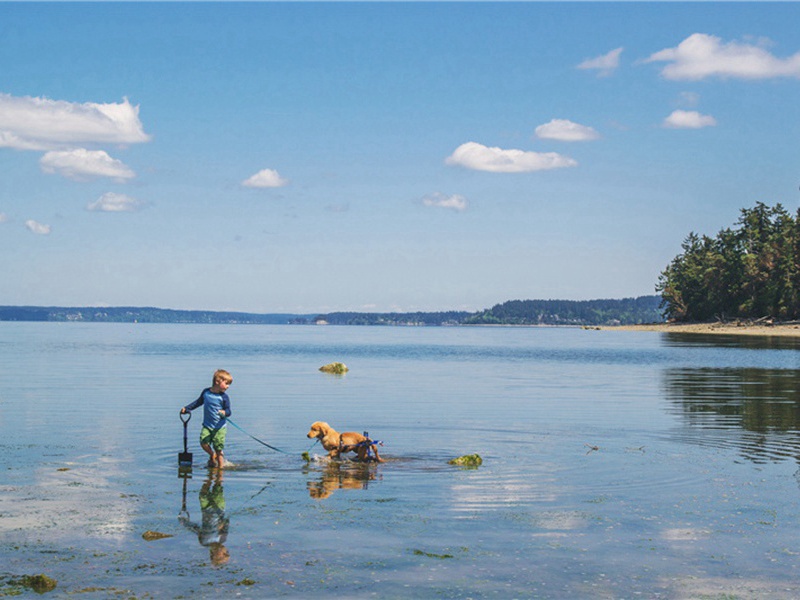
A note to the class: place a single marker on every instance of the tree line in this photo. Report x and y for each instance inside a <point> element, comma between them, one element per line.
<point>627,311</point>
<point>749,271</point>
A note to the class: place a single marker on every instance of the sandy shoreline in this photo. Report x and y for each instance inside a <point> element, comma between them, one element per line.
<point>788,330</point>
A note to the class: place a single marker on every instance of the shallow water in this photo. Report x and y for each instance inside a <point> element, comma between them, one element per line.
<point>615,464</point>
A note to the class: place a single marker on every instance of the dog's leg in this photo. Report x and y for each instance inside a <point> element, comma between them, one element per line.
<point>377,456</point>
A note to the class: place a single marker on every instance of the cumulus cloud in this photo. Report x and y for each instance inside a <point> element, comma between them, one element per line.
<point>81,164</point>
<point>701,56</point>
<point>37,228</point>
<point>266,178</point>
<point>566,131</point>
<point>605,65</point>
<point>689,119</point>
<point>453,201</point>
<point>472,155</point>
<point>42,124</point>
<point>111,202</point>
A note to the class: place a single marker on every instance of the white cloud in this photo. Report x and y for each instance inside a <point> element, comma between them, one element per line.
<point>81,164</point>
<point>37,228</point>
<point>688,119</point>
<point>605,64</point>
<point>453,201</point>
<point>41,124</point>
<point>701,55</point>
<point>566,131</point>
<point>472,155</point>
<point>111,202</point>
<point>266,178</point>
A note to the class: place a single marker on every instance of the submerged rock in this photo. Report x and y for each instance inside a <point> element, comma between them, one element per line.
<point>40,584</point>
<point>468,460</point>
<point>334,367</point>
<point>150,536</point>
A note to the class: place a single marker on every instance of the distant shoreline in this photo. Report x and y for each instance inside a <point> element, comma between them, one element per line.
<point>783,330</point>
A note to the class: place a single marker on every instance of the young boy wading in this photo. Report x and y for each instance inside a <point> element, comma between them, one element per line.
<point>216,408</point>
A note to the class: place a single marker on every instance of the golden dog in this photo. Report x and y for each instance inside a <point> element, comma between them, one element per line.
<point>339,443</point>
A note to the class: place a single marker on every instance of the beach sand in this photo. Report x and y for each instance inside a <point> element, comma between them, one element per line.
<point>783,330</point>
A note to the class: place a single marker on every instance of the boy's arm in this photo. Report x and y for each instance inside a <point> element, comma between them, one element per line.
<point>226,405</point>
<point>191,406</point>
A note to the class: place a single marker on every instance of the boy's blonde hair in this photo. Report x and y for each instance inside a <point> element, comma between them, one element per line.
<point>222,374</point>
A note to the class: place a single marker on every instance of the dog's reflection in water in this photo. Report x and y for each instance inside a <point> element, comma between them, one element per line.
<point>342,475</point>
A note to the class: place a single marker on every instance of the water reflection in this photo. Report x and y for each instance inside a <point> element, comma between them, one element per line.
<point>749,342</point>
<point>756,410</point>
<point>341,475</point>
<point>212,531</point>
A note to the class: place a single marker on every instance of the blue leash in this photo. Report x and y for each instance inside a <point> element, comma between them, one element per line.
<point>255,438</point>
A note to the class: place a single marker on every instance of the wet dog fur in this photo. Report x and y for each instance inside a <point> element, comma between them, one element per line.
<point>340,443</point>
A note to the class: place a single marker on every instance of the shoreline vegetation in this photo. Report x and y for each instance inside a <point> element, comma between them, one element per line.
<point>644,309</point>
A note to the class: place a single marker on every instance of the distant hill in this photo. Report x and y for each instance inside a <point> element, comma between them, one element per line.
<point>128,314</point>
<point>628,311</point>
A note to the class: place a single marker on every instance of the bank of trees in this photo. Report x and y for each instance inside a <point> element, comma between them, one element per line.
<point>749,271</point>
<point>627,311</point>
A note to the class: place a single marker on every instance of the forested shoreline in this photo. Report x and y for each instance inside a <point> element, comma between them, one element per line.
<point>750,271</point>
<point>627,311</point>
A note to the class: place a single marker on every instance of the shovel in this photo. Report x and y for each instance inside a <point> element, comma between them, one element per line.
<point>185,457</point>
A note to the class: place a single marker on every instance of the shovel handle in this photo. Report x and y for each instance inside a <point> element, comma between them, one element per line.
<point>188,416</point>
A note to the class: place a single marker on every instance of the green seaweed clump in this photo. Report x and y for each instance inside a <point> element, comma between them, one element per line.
<point>336,368</point>
<point>306,457</point>
<point>41,584</point>
<point>468,460</point>
<point>150,536</point>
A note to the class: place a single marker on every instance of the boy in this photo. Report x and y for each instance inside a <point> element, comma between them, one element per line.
<point>216,409</point>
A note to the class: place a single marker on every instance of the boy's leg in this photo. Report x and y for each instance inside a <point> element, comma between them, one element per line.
<point>219,442</point>
<point>206,436</point>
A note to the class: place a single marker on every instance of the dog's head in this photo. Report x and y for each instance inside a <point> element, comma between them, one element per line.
<point>318,430</point>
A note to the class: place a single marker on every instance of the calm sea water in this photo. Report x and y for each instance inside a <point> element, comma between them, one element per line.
<point>615,464</point>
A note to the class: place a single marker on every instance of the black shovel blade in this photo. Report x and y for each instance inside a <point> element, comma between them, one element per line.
<point>185,459</point>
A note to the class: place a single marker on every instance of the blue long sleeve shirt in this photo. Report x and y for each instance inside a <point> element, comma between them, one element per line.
<point>212,403</point>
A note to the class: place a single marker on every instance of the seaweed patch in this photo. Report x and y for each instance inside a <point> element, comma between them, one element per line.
<point>150,536</point>
<point>468,460</point>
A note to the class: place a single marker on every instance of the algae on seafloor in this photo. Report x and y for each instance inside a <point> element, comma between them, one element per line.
<point>336,368</point>
<point>150,536</point>
<point>468,460</point>
<point>40,583</point>
<point>431,554</point>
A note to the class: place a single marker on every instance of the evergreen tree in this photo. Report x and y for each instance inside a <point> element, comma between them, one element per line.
<point>751,271</point>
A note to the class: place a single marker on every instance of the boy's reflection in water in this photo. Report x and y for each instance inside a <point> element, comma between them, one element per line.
<point>213,531</point>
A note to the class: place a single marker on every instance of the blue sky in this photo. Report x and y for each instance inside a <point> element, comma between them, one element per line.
<point>301,157</point>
